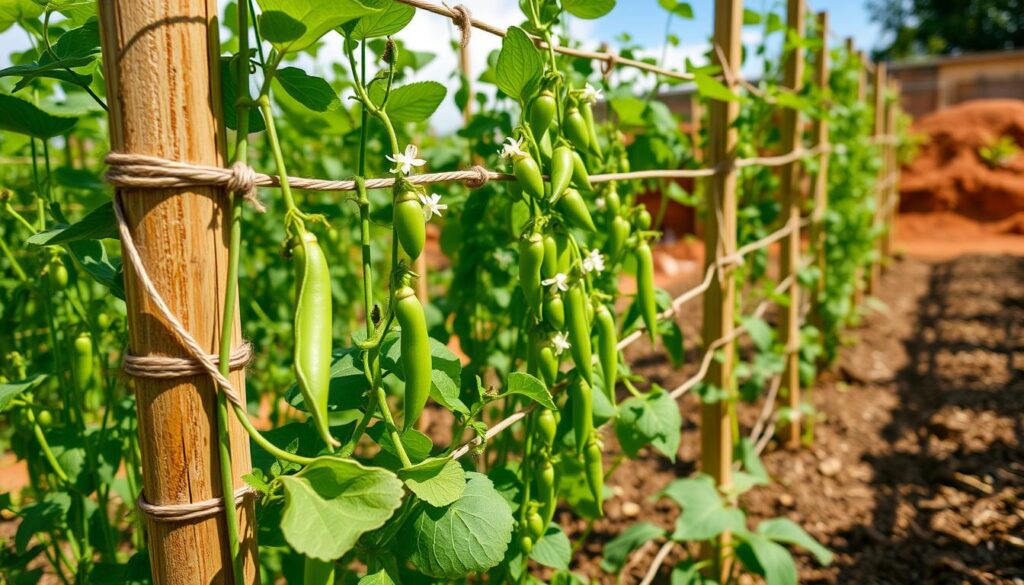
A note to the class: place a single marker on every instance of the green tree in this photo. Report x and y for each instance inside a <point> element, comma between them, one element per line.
<point>925,27</point>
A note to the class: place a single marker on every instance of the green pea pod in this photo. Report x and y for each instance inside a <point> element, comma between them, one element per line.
<point>617,235</point>
<point>556,255</point>
<point>575,128</point>
<point>541,112</point>
<point>546,494</point>
<point>607,349</point>
<point>313,330</point>
<point>594,467</point>
<point>526,544</point>
<point>416,361</point>
<point>554,311</point>
<point>580,176</point>
<point>57,274</point>
<point>579,331</point>
<point>535,525</point>
<point>44,418</point>
<point>548,365</point>
<point>575,211</point>
<point>544,145</point>
<point>643,219</point>
<point>531,257</point>
<point>588,116</point>
<point>547,427</point>
<point>409,224</point>
<point>613,203</point>
<point>528,174</point>
<point>645,289</point>
<point>582,411</point>
<point>562,170</point>
<point>82,362</point>
<point>317,572</point>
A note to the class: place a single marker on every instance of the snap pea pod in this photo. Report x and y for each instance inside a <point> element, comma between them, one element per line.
<point>594,468</point>
<point>579,331</point>
<point>562,169</point>
<point>607,349</point>
<point>410,225</point>
<point>416,361</point>
<point>531,257</point>
<point>582,412</point>
<point>645,289</point>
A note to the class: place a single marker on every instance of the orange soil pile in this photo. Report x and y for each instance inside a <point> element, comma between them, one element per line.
<point>949,175</point>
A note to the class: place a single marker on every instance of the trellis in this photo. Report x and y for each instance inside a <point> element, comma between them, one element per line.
<point>150,49</point>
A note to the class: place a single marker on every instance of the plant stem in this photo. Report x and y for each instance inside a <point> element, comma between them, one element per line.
<point>396,437</point>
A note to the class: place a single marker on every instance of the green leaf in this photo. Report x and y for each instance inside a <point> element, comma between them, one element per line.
<point>13,11</point>
<point>529,386</point>
<point>229,95</point>
<point>293,25</point>
<point>332,502</point>
<point>652,419</point>
<point>10,390</point>
<point>760,332</point>
<point>309,90</point>
<point>680,9</point>
<point>445,392</point>
<point>766,558</point>
<point>704,515</point>
<point>712,89</point>
<point>348,384</point>
<point>751,17</point>
<point>553,549</point>
<point>519,65</point>
<point>746,453</point>
<point>413,102</point>
<point>77,47</point>
<point>381,577</point>
<point>588,8</point>
<point>786,531</point>
<point>92,257</point>
<point>617,550</point>
<point>43,516</point>
<point>438,481</point>
<point>22,117</point>
<point>384,23</point>
<point>98,224</point>
<point>467,536</point>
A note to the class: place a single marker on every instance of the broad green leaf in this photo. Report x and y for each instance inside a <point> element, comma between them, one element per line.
<point>92,257</point>
<point>529,386</point>
<point>98,224</point>
<point>689,573</point>
<point>751,17</point>
<point>760,332</point>
<point>293,25</point>
<point>704,514</point>
<point>746,452</point>
<point>667,411</point>
<point>413,102</point>
<point>630,110</point>
<point>588,8</point>
<point>12,11</point>
<point>712,89</point>
<point>332,502</point>
<point>381,577</point>
<point>23,117</point>
<point>766,558</point>
<point>786,531</point>
<point>519,64</point>
<point>680,9</point>
<point>309,90</point>
<point>229,95</point>
<point>42,516</point>
<point>348,383</point>
<point>437,481</point>
<point>381,24</point>
<point>9,390</point>
<point>468,536</point>
<point>75,48</point>
<point>553,549</point>
<point>445,392</point>
<point>652,419</point>
<point>617,550</point>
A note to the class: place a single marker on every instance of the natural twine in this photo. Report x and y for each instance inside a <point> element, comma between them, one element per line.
<point>462,18</point>
<point>158,366</point>
<point>192,510</point>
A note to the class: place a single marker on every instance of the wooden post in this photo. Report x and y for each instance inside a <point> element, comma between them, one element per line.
<point>878,83</point>
<point>819,138</point>
<point>884,251</point>
<point>894,170</point>
<point>159,60</point>
<point>789,252</point>
<point>720,241</point>
<point>696,113</point>
<point>858,276</point>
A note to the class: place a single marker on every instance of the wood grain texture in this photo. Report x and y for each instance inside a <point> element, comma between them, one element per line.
<point>878,87</point>
<point>819,137</point>
<point>159,59</point>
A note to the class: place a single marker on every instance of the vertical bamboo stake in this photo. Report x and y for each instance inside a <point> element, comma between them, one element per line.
<point>789,253</point>
<point>858,276</point>
<point>159,59</point>
<point>819,138</point>
<point>894,170</point>
<point>885,251</point>
<point>719,241</point>
<point>878,83</point>
<point>696,113</point>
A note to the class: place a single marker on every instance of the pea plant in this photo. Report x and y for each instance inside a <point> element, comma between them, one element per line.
<point>349,485</point>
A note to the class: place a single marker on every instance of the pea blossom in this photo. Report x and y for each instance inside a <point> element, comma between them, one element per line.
<point>560,343</point>
<point>594,262</point>
<point>559,282</point>
<point>512,148</point>
<point>432,206</point>
<point>591,94</point>
<point>407,160</point>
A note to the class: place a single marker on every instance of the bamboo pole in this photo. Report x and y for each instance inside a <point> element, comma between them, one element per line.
<point>819,138</point>
<point>719,241</point>
<point>789,253</point>
<point>159,59</point>
<point>878,86</point>
<point>858,276</point>
<point>892,184</point>
<point>696,113</point>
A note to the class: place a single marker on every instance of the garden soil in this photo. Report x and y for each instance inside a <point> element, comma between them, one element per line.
<point>916,473</point>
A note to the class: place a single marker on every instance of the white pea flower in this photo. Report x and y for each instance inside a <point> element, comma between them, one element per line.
<point>559,282</point>
<point>407,160</point>
<point>560,343</point>
<point>503,257</point>
<point>512,148</point>
<point>594,262</point>
<point>432,206</point>
<point>591,94</point>
<point>600,203</point>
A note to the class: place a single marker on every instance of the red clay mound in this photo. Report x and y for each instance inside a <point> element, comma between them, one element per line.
<point>949,174</point>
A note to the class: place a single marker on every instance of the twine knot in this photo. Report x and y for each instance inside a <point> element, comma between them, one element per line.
<point>243,180</point>
<point>610,61</point>
<point>481,178</point>
<point>462,18</point>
